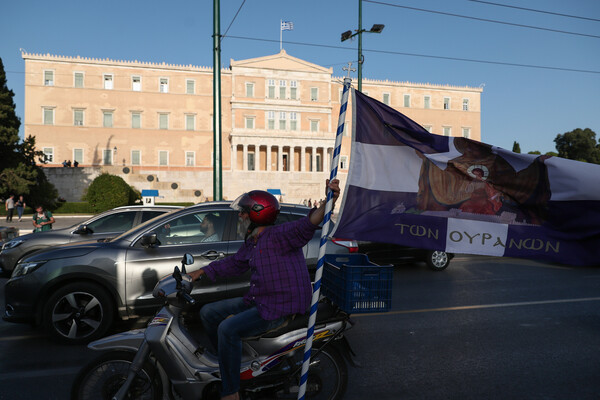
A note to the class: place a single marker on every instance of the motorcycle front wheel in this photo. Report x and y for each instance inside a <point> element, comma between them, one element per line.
<point>102,378</point>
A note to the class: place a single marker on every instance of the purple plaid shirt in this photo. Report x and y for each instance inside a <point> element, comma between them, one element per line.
<point>279,284</point>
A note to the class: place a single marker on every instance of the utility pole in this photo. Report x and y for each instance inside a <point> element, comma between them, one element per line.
<point>217,162</point>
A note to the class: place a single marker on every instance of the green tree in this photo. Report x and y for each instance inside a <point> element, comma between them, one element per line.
<point>18,172</point>
<point>109,191</point>
<point>516,147</point>
<point>579,144</point>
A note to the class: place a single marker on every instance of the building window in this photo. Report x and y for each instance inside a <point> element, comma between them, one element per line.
<point>136,120</point>
<point>293,122</point>
<point>282,121</point>
<point>250,161</point>
<point>465,104</point>
<point>427,102</point>
<point>136,83</point>
<point>190,158</point>
<point>346,131</point>
<point>78,117</point>
<point>446,103</point>
<point>163,157</point>
<point>190,122</point>
<point>386,99</point>
<point>447,131</point>
<point>48,78</point>
<point>136,157</point>
<point>293,90</point>
<point>314,94</point>
<point>249,122</point>
<point>314,125</point>
<point>107,119</point>
<point>48,154</point>
<point>78,155</point>
<point>190,86</point>
<point>407,100</point>
<point>108,81</point>
<point>163,85</point>
<point>163,121</point>
<point>343,162</point>
<point>48,116</point>
<point>271,120</point>
<point>107,157</point>
<point>249,89</point>
<point>271,88</point>
<point>78,79</point>
<point>427,128</point>
<point>466,132</point>
<point>282,90</point>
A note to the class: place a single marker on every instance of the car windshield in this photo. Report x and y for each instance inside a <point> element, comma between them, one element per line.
<point>143,224</point>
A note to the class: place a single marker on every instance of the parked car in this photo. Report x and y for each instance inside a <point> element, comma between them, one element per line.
<point>108,224</point>
<point>77,291</point>
<point>387,253</point>
<point>7,233</point>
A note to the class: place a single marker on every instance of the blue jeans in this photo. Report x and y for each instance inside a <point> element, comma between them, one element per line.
<point>226,335</point>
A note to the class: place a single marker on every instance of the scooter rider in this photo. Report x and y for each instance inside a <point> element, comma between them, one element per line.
<point>279,284</point>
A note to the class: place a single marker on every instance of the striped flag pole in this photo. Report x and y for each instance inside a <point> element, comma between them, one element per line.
<point>324,232</point>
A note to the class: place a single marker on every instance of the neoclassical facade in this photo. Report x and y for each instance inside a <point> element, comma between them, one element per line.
<point>152,123</point>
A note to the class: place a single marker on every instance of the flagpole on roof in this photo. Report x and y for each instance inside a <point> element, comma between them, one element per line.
<point>324,232</point>
<point>280,34</point>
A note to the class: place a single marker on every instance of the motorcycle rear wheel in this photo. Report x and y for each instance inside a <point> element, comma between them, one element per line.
<point>102,378</point>
<point>327,375</point>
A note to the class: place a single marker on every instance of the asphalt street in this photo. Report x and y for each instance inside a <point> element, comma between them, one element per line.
<point>485,328</point>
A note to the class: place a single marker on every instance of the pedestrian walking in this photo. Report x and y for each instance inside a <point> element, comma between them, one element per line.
<point>20,206</point>
<point>10,207</point>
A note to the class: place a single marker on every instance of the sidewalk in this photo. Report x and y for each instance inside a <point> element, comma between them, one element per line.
<point>26,224</point>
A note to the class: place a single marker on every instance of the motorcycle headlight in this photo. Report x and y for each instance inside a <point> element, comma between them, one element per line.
<point>26,267</point>
<point>12,243</point>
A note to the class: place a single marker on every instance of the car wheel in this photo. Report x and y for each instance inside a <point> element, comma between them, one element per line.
<point>437,260</point>
<point>78,313</point>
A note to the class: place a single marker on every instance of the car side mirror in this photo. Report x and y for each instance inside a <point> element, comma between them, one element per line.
<point>149,239</point>
<point>187,259</point>
<point>83,230</point>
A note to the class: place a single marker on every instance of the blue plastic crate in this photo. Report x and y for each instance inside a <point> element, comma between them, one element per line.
<point>357,285</point>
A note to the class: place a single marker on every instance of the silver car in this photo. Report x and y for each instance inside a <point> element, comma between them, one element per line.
<point>77,291</point>
<point>104,225</point>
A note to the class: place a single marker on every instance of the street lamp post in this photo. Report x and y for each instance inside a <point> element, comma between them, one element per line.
<point>377,28</point>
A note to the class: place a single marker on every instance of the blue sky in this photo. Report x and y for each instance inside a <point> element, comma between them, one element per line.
<point>527,105</point>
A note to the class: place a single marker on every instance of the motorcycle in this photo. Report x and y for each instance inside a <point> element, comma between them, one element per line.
<point>168,360</point>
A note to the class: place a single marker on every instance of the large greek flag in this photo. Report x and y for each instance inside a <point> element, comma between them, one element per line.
<point>414,188</point>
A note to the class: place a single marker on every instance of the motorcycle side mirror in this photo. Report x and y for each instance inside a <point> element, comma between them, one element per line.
<point>82,230</point>
<point>177,275</point>
<point>149,239</point>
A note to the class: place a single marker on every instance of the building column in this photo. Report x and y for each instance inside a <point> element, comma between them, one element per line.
<point>314,160</point>
<point>257,157</point>
<point>269,157</point>
<point>291,158</point>
<point>302,159</point>
<point>245,158</point>
<point>234,157</point>
<point>280,158</point>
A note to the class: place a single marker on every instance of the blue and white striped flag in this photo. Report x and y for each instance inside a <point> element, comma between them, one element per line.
<point>410,187</point>
<point>287,26</point>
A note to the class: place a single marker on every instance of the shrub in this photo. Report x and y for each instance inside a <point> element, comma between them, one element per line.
<point>109,191</point>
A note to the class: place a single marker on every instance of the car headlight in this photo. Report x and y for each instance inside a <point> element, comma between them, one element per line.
<point>26,267</point>
<point>12,243</point>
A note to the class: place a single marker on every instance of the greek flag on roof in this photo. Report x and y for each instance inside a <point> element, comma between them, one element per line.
<point>287,26</point>
<point>410,187</point>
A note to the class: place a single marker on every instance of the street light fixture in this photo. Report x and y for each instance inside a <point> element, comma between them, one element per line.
<point>376,28</point>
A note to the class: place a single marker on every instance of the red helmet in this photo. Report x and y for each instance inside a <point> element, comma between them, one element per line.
<point>262,207</point>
